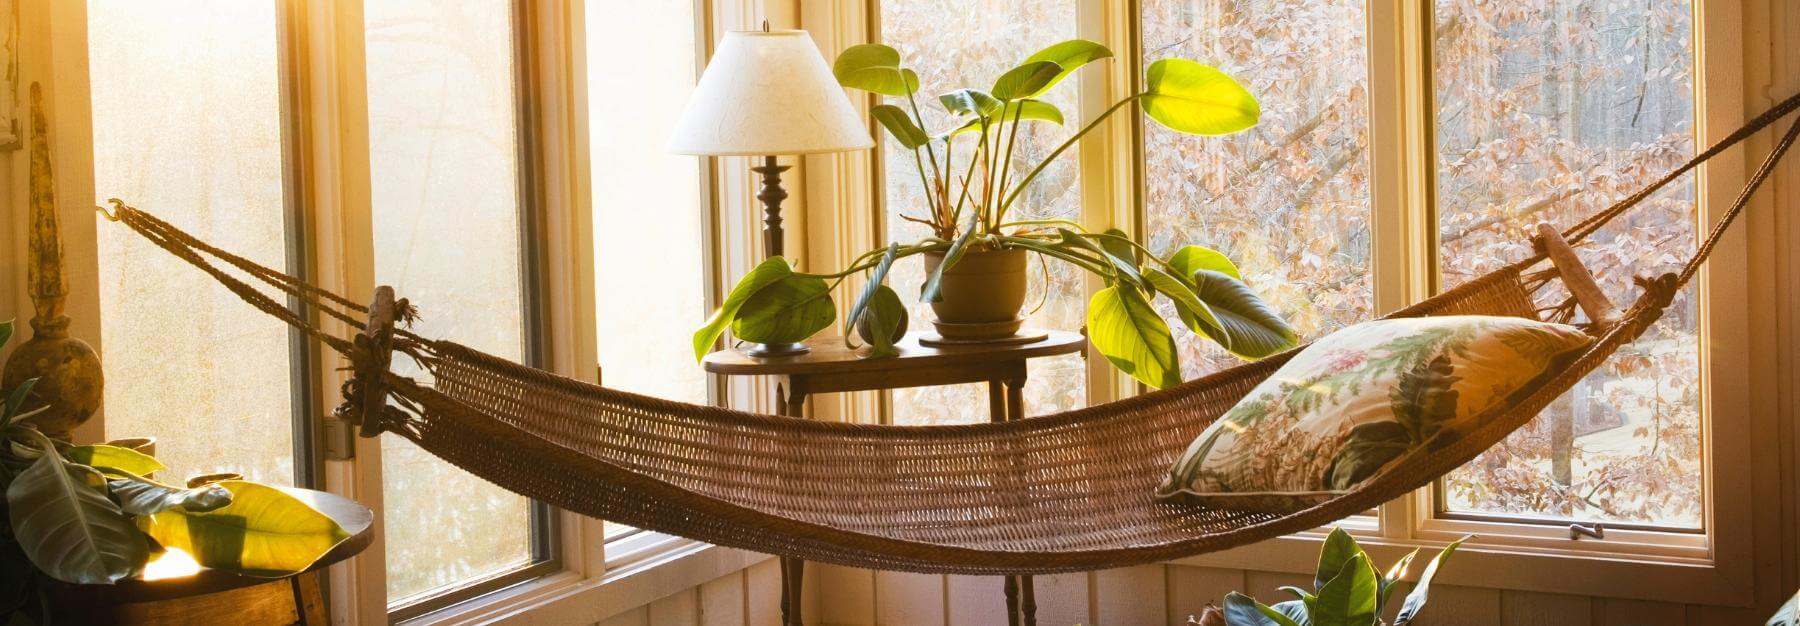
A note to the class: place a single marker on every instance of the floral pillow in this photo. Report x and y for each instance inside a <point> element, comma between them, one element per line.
<point>1359,399</point>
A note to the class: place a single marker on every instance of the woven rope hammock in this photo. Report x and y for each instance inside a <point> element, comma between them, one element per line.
<point>1064,492</point>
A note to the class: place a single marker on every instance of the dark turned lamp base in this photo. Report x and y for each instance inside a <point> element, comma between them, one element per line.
<point>771,196</point>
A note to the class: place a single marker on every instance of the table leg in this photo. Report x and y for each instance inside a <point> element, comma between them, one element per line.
<point>1027,601</point>
<point>996,401</point>
<point>1015,398</point>
<point>1012,601</point>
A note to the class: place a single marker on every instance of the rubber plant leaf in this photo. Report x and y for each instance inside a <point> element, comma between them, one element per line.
<point>1297,610</point>
<point>786,311</point>
<point>141,496</point>
<point>1070,56</point>
<point>933,291</point>
<point>1348,599</point>
<point>1128,331</point>
<point>1249,327</point>
<point>1197,99</point>
<point>105,457</point>
<point>1338,549</point>
<point>1242,610</point>
<point>874,68</point>
<point>764,274</point>
<point>1421,591</point>
<point>263,532</point>
<point>1017,111</point>
<point>65,523</point>
<point>1190,259</point>
<point>1394,574</point>
<point>970,102</point>
<point>900,125</point>
<point>1028,80</point>
<point>1193,313</point>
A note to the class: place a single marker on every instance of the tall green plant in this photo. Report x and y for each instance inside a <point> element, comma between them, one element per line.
<point>968,173</point>
<point>87,514</point>
<point>1347,591</point>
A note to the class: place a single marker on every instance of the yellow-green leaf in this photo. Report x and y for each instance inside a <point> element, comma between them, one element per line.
<point>1070,56</point>
<point>785,311</point>
<point>1016,111</point>
<point>900,125</point>
<point>1125,329</point>
<point>764,274</point>
<point>874,68</point>
<point>970,102</point>
<point>1027,80</point>
<point>1190,259</point>
<point>67,526</point>
<point>1197,99</point>
<point>263,532</point>
<point>105,457</point>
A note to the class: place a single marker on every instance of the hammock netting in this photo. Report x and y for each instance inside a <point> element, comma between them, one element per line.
<point>1064,492</point>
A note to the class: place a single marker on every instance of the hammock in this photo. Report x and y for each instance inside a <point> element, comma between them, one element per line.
<point>1059,493</point>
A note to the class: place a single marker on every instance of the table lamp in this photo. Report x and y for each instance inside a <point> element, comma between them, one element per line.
<point>768,93</point>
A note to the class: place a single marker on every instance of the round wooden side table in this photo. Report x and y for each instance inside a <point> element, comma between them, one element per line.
<point>212,596</point>
<point>830,367</point>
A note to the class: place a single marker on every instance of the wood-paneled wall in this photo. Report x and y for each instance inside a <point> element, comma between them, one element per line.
<point>1144,595</point>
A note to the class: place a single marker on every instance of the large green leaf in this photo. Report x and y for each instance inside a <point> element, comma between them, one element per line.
<point>970,102</point>
<point>786,311</point>
<point>141,496</point>
<point>1193,313</point>
<point>1338,549</point>
<point>1348,599</point>
<point>1123,327</point>
<point>874,68</point>
<point>1242,610</point>
<point>1190,259</point>
<point>768,272</point>
<point>900,125</point>
<point>1028,80</point>
<point>1197,99</point>
<point>885,322</point>
<point>105,457</point>
<point>1016,111</point>
<point>1394,574</point>
<point>263,532</point>
<point>933,290</point>
<point>64,521</point>
<point>877,275</point>
<point>1421,591</point>
<point>1248,327</point>
<point>1070,56</point>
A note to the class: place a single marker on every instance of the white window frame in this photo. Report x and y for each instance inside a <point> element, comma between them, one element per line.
<point>1713,567</point>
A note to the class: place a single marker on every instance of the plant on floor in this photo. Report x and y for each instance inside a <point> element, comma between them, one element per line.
<point>968,213</point>
<point>1347,591</point>
<point>90,515</point>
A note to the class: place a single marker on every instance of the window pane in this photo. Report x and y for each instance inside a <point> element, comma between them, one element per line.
<point>952,47</point>
<point>647,202</point>
<point>1288,201</point>
<point>444,164</point>
<point>187,124</point>
<point>1549,113</point>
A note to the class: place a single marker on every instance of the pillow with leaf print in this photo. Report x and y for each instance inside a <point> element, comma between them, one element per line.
<point>1357,400</point>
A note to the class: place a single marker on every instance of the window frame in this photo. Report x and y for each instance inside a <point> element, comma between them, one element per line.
<point>1712,567</point>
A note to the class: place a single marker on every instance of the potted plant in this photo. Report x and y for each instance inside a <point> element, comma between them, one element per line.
<point>975,258</point>
<point>1347,589</point>
<point>90,514</point>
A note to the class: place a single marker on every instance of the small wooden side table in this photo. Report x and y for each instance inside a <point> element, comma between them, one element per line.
<point>830,367</point>
<point>219,597</point>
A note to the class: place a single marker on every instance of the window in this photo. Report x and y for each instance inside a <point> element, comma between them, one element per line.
<point>187,122</point>
<point>447,234</point>
<point>1288,200</point>
<point>651,258</point>
<point>1534,105</point>
<point>951,54</point>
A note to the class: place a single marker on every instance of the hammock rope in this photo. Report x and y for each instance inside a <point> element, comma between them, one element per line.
<point>1064,492</point>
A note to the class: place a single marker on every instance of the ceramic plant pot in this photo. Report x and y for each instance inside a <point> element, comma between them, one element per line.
<point>983,293</point>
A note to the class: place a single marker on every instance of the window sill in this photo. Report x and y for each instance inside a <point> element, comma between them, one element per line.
<point>1591,570</point>
<point>569,598</point>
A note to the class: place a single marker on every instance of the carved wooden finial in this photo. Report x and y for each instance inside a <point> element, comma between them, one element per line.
<point>45,269</point>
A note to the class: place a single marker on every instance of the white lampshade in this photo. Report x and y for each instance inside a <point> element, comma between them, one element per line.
<point>767,93</point>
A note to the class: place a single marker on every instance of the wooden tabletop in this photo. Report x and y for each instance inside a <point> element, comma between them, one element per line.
<point>829,356</point>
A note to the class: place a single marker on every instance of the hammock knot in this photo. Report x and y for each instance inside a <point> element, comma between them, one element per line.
<point>366,391</point>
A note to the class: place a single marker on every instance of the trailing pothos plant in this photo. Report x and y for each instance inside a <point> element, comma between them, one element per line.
<point>972,187</point>
<point>89,514</point>
<point>1347,591</point>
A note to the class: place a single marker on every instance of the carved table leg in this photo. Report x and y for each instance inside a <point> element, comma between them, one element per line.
<point>1012,601</point>
<point>1027,601</point>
